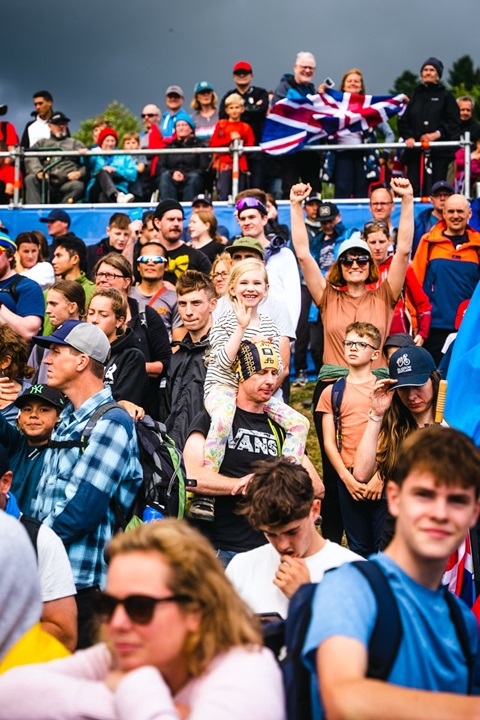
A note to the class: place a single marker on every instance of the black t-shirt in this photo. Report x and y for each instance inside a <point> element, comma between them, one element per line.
<point>250,439</point>
<point>187,258</point>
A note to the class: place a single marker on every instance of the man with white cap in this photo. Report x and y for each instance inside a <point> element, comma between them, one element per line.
<point>85,484</point>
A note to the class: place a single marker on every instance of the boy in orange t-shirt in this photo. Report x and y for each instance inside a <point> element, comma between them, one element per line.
<point>225,132</point>
<point>363,505</point>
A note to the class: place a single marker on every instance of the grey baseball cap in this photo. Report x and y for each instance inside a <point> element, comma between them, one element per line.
<point>84,337</point>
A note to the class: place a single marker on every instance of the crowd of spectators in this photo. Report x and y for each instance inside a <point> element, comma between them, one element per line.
<point>169,317</point>
<point>431,114</point>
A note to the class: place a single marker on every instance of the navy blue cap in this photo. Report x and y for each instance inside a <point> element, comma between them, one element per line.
<point>410,367</point>
<point>56,215</point>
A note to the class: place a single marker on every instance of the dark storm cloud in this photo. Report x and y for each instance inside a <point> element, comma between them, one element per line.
<point>90,52</point>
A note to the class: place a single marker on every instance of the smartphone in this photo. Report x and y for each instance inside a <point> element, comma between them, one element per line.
<point>329,82</point>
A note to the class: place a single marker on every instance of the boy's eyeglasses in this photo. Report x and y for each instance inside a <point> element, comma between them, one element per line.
<point>139,608</point>
<point>361,260</point>
<point>357,345</point>
<point>251,202</point>
<point>155,259</point>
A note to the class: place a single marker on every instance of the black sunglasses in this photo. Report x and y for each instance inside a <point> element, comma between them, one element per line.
<point>361,260</point>
<point>144,115</point>
<point>139,608</point>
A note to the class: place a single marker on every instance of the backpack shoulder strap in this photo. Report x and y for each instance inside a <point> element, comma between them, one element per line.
<point>278,434</point>
<point>388,631</point>
<point>32,526</point>
<point>121,415</point>
<point>12,288</point>
<point>337,396</point>
<point>460,625</point>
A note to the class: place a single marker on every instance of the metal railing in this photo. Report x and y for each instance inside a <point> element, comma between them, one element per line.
<point>18,155</point>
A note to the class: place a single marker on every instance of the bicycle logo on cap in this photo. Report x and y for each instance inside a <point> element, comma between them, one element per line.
<point>403,361</point>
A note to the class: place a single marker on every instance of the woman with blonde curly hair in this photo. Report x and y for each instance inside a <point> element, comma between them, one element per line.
<point>178,643</point>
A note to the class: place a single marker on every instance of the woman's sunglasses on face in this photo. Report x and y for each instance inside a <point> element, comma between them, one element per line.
<point>361,260</point>
<point>139,608</point>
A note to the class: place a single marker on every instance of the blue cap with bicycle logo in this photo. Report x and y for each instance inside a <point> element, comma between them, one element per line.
<point>410,366</point>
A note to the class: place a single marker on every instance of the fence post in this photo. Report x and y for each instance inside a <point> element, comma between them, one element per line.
<point>237,146</point>
<point>17,153</point>
<point>468,159</point>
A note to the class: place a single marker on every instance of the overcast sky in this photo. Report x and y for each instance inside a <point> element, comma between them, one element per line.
<point>90,52</point>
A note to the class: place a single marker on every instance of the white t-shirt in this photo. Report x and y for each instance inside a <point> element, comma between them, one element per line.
<point>42,273</point>
<point>253,572</point>
<point>56,578</point>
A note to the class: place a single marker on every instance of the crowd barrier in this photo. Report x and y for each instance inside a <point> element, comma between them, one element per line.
<point>90,220</point>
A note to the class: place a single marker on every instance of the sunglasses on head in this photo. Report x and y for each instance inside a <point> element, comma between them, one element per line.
<point>156,259</point>
<point>139,608</point>
<point>251,202</point>
<point>361,260</point>
<point>375,224</point>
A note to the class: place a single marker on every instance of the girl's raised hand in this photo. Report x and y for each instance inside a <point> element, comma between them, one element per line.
<point>242,313</point>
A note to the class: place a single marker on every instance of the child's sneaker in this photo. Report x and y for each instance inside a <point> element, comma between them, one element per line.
<point>301,379</point>
<point>202,508</point>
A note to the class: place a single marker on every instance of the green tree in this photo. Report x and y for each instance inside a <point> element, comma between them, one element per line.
<point>119,117</point>
<point>463,72</point>
<point>405,83</point>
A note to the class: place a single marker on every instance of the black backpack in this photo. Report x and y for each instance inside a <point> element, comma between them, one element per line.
<point>12,288</point>
<point>163,486</point>
<point>286,638</point>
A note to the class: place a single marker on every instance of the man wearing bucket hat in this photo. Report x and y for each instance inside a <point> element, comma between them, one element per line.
<point>21,299</point>
<point>82,481</point>
<point>253,437</point>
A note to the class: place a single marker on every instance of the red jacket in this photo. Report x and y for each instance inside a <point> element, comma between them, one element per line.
<point>222,137</point>
<point>416,311</point>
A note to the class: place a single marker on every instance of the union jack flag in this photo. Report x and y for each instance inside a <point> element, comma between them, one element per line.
<point>292,123</point>
<point>459,573</point>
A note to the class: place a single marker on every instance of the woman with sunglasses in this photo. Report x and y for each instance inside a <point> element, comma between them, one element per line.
<point>177,643</point>
<point>149,331</point>
<point>344,297</point>
<point>413,309</point>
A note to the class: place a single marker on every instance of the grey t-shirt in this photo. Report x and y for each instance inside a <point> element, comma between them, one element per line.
<point>165,305</point>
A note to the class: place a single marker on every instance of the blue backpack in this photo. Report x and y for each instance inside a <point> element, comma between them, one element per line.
<point>286,639</point>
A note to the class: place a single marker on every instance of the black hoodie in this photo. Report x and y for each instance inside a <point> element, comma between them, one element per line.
<point>125,370</point>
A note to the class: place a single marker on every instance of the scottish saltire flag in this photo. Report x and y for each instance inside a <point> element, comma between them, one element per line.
<point>458,576</point>
<point>292,123</point>
<point>462,406</point>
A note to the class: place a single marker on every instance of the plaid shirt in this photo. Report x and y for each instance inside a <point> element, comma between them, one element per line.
<point>76,488</point>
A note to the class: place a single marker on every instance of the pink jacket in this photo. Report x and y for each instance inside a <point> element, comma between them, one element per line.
<point>239,684</point>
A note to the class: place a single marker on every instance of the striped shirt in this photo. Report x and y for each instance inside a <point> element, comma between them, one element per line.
<point>219,370</point>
